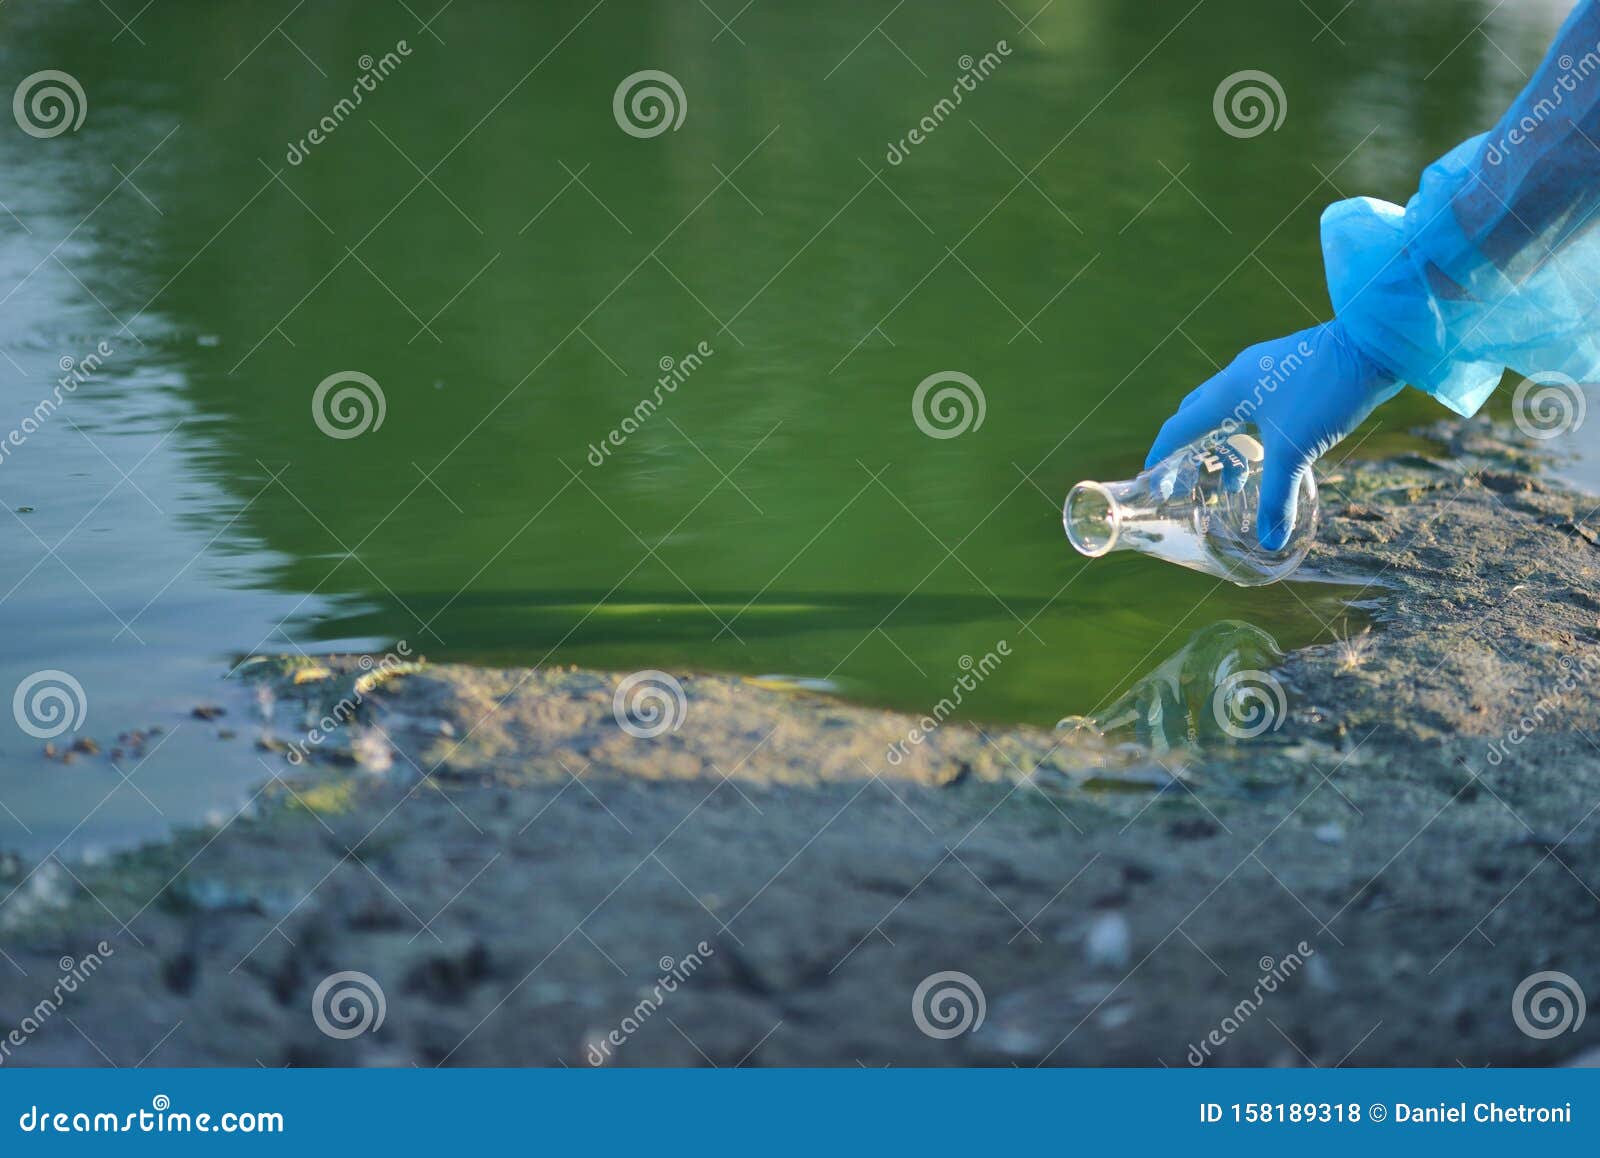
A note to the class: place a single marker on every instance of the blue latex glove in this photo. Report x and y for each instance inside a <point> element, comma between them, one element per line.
<point>1303,394</point>
<point>1492,264</point>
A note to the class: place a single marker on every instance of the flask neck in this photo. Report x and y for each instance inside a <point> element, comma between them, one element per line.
<point>1098,516</point>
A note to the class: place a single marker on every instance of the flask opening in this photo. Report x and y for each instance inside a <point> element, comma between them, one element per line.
<point>1092,519</point>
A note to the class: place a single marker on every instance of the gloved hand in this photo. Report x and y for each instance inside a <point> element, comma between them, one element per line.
<point>1303,393</point>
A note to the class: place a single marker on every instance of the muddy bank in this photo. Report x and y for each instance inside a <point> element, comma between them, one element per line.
<point>1366,881</point>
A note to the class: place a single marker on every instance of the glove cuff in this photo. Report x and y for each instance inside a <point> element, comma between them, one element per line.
<point>1394,313</point>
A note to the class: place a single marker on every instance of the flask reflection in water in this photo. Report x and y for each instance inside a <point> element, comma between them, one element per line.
<point>1176,705</point>
<point>1196,508</point>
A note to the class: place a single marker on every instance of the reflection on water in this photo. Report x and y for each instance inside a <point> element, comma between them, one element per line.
<point>516,272</point>
<point>1216,687</point>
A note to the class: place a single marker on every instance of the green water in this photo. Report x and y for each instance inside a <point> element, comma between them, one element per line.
<point>482,239</point>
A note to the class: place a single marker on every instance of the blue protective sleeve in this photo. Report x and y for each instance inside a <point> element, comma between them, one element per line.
<point>1495,262</point>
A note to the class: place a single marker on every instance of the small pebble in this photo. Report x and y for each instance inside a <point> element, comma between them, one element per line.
<point>1110,941</point>
<point>371,751</point>
<point>1193,828</point>
<point>1320,973</point>
<point>1116,1016</point>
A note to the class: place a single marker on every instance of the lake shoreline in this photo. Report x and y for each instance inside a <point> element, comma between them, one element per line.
<point>527,882</point>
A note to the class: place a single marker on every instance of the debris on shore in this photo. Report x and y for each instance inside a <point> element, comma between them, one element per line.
<point>514,869</point>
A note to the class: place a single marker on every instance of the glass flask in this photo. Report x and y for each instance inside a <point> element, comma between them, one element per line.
<point>1196,508</point>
